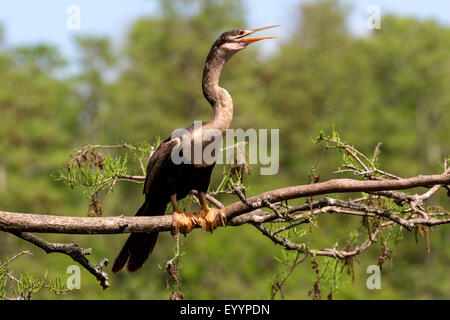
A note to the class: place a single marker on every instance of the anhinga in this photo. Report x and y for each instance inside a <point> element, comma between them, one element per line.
<point>168,182</point>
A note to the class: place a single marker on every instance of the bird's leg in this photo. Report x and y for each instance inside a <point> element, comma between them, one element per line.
<point>182,222</point>
<point>209,218</point>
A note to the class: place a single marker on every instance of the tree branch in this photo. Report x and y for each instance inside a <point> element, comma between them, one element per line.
<point>25,222</point>
<point>72,250</point>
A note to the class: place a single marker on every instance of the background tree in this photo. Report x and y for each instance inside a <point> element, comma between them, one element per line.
<point>389,86</point>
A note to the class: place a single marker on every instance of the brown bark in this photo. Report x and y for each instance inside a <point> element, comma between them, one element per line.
<point>25,222</point>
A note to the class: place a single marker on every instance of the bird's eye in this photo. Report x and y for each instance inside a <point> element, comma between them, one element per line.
<point>241,32</point>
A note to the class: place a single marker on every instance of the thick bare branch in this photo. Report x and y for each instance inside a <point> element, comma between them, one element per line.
<point>24,222</point>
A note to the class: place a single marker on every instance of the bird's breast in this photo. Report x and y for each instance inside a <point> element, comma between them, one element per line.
<point>202,146</point>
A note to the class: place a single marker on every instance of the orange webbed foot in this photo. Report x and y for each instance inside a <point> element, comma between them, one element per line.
<point>183,222</point>
<point>211,218</point>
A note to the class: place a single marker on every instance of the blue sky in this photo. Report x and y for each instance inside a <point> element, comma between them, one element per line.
<point>45,20</point>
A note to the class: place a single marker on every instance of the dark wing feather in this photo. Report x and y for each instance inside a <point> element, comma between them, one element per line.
<point>161,155</point>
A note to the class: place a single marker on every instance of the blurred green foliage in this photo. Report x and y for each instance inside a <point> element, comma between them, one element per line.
<point>25,285</point>
<point>390,86</point>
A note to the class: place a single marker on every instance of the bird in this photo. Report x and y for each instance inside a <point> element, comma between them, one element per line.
<point>168,182</point>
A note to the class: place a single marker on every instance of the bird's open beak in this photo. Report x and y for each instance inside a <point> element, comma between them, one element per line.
<point>254,39</point>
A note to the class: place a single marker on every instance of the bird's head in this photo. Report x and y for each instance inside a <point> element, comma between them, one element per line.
<point>222,50</point>
<point>237,39</point>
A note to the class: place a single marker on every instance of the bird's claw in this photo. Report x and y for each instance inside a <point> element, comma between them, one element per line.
<point>211,219</point>
<point>183,222</point>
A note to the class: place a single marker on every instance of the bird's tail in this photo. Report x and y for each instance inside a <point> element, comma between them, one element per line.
<point>138,246</point>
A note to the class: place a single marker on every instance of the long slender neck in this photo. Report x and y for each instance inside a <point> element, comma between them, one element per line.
<point>218,97</point>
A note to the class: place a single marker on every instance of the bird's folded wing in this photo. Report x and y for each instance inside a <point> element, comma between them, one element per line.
<point>159,160</point>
